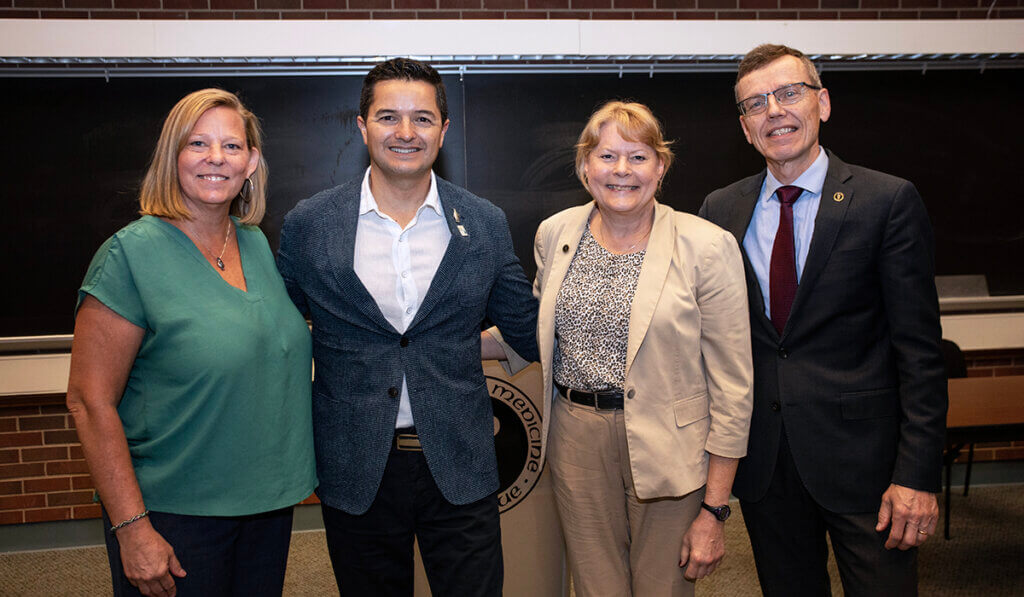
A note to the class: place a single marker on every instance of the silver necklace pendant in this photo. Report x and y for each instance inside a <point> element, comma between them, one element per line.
<point>220,264</point>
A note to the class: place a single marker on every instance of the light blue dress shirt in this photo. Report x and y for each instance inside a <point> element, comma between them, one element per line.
<point>764,223</point>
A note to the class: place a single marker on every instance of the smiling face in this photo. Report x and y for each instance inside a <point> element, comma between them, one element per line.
<point>622,175</point>
<point>403,130</point>
<point>787,136</point>
<point>216,160</point>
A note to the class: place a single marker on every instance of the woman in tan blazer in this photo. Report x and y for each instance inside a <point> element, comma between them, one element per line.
<point>645,346</point>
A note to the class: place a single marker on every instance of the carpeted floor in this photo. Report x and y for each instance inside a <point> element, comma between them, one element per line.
<point>985,558</point>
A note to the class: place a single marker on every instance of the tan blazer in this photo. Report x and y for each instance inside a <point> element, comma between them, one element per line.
<point>688,387</point>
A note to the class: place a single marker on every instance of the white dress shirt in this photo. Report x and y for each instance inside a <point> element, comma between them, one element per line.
<point>396,265</point>
<point>764,223</point>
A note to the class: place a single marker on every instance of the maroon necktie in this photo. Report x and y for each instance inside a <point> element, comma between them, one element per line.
<point>782,273</point>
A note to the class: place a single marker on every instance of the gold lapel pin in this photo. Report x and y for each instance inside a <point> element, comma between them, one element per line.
<point>838,197</point>
<point>455,214</point>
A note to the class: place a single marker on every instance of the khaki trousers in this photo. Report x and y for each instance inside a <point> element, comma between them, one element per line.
<point>617,544</point>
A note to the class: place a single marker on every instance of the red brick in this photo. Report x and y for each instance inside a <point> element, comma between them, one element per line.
<point>195,15</point>
<point>64,14</point>
<point>8,13</point>
<point>1009,13</point>
<point>309,15</point>
<point>439,14</point>
<point>9,456</point>
<point>88,4</point>
<point>818,15</point>
<point>136,3</point>
<point>484,14</point>
<point>972,14</point>
<point>634,3</point>
<point>83,512</point>
<point>256,15</point>
<point>369,4</point>
<point>69,436</point>
<point>393,14</point>
<point>113,14</point>
<point>44,454</point>
<point>10,487</point>
<point>526,14</point>
<point>68,467</point>
<point>361,15</point>
<point>278,4</point>
<point>8,423</point>
<point>325,4</point>
<point>851,15</point>
<point>712,4</point>
<point>734,15</point>
<point>42,423</point>
<point>654,15</point>
<point>47,484</point>
<point>31,438</point>
<point>581,4</point>
<point>19,410</point>
<point>825,4</point>
<point>504,5</point>
<point>758,4</point>
<point>186,4</point>
<point>83,482</point>
<point>75,452</point>
<point>788,15</point>
<point>12,517</point>
<point>13,471</point>
<point>799,3</point>
<point>47,514</point>
<point>959,3</point>
<point>232,4</point>
<point>915,4</point>
<point>423,4</point>
<point>38,4</point>
<point>20,502</point>
<point>582,15</point>
<point>448,4</point>
<point>697,15</point>
<point>69,498</point>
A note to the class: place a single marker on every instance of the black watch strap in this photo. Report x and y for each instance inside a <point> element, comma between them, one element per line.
<point>721,512</point>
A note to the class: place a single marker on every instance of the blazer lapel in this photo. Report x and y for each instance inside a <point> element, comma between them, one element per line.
<point>559,255</point>
<point>653,273</point>
<point>344,219</point>
<point>836,195</point>
<point>454,255</point>
<point>737,223</point>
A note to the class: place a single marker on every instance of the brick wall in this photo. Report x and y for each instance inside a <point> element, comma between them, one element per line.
<point>512,9</point>
<point>43,474</point>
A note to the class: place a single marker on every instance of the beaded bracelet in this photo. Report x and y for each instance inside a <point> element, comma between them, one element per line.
<point>125,523</point>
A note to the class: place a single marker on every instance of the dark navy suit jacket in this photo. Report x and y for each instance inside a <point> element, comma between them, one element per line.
<point>360,359</point>
<point>857,376</point>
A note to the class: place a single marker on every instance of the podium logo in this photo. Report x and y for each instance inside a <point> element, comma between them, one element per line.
<point>517,437</point>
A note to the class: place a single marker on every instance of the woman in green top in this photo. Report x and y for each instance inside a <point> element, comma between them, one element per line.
<point>190,371</point>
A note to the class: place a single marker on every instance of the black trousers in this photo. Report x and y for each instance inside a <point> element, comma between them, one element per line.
<point>221,555</point>
<point>372,553</point>
<point>787,531</point>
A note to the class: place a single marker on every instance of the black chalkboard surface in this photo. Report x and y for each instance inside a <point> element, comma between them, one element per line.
<point>76,149</point>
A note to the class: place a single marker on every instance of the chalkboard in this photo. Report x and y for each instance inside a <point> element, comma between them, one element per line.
<point>77,148</point>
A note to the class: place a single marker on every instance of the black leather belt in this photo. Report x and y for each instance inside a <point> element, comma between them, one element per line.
<point>599,400</point>
<point>406,440</point>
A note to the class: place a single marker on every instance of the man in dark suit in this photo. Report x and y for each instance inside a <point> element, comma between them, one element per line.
<point>398,269</point>
<point>849,391</point>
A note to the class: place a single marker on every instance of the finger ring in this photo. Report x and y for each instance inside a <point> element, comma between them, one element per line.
<point>920,532</point>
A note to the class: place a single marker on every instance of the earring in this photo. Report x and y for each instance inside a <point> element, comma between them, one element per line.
<point>247,197</point>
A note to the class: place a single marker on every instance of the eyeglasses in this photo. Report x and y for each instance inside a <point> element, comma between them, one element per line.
<point>786,96</point>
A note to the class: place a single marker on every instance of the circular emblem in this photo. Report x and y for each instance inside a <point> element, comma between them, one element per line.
<point>517,438</point>
<point>838,197</point>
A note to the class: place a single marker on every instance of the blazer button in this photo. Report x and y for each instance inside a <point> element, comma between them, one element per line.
<point>775,406</point>
<point>630,394</point>
<point>393,392</point>
<point>783,353</point>
<point>565,248</point>
<point>403,342</point>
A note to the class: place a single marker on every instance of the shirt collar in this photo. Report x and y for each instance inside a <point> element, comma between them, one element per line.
<point>367,203</point>
<point>812,180</point>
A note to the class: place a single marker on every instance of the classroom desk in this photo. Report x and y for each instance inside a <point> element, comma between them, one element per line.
<point>981,409</point>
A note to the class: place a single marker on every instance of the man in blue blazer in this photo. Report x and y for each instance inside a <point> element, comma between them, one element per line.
<point>398,269</point>
<point>849,388</point>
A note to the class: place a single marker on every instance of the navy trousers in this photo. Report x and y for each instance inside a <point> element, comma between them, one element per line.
<point>372,553</point>
<point>221,555</point>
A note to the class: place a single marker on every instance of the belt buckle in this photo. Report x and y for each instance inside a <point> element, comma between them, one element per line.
<point>597,404</point>
<point>407,442</point>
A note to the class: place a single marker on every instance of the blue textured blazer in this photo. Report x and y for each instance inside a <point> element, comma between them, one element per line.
<point>360,358</point>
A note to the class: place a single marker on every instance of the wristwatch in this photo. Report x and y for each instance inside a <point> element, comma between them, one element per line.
<point>721,512</point>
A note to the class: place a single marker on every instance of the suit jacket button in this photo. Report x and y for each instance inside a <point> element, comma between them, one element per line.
<point>783,353</point>
<point>403,342</point>
<point>565,248</point>
<point>393,392</point>
<point>775,406</point>
<point>630,394</point>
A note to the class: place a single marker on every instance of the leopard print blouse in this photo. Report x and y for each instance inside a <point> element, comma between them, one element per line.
<point>592,317</point>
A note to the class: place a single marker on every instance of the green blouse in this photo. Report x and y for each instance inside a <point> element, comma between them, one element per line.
<point>217,408</point>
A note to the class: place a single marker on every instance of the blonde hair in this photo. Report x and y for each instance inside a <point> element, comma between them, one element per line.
<point>636,124</point>
<point>161,194</point>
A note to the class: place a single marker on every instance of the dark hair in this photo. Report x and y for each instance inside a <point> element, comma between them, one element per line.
<point>403,69</point>
<point>764,54</point>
